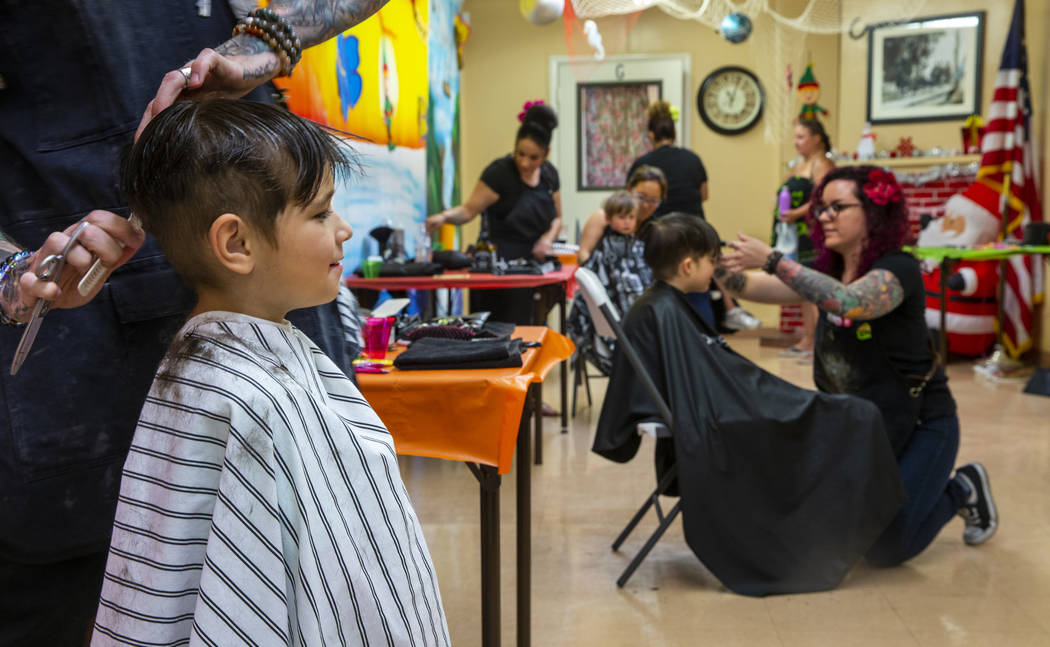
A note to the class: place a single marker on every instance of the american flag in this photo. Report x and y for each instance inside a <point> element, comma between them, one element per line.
<point>1006,184</point>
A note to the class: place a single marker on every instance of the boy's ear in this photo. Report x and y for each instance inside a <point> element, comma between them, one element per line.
<point>685,265</point>
<point>230,243</point>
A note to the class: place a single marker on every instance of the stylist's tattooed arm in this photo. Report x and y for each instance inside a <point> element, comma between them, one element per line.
<point>735,283</point>
<point>315,21</point>
<point>871,296</point>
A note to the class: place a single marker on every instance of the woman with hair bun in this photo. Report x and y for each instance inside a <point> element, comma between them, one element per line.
<point>686,193</point>
<point>685,173</point>
<point>519,196</point>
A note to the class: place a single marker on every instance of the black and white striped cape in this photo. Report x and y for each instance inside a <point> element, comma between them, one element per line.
<point>261,504</point>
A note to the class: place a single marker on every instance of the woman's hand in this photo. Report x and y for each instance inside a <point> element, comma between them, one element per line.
<point>543,248</point>
<point>750,253</point>
<point>435,222</point>
<point>108,237</point>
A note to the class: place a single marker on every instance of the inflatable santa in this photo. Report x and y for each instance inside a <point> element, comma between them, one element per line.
<point>971,304</point>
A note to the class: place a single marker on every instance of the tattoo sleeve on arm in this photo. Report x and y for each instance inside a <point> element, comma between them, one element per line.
<point>315,21</point>
<point>871,296</point>
<point>735,283</point>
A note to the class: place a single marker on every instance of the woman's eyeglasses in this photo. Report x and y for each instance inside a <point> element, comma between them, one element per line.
<point>644,199</point>
<point>834,209</point>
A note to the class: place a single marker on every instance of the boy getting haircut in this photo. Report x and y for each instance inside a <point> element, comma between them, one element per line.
<point>261,501</point>
<point>799,484</point>
<point>621,202</point>
<point>674,237</point>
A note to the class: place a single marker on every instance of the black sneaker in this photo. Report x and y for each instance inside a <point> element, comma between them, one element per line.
<point>982,520</point>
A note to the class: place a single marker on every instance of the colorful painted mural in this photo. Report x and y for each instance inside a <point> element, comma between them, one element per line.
<point>371,82</point>
<point>443,188</point>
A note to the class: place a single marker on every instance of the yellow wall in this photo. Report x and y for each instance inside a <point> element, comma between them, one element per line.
<point>507,59</point>
<point>507,63</point>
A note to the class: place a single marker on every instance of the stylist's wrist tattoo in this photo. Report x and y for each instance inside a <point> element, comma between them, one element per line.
<point>735,283</point>
<point>246,45</point>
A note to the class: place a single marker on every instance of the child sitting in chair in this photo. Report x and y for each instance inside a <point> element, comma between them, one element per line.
<point>618,262</point>
<point>782,489</point>
<point>261,501</point>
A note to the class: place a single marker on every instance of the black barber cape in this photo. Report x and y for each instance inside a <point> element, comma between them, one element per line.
<point>783,489</point>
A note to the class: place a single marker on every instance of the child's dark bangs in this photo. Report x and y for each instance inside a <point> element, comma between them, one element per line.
<point>313,154</point>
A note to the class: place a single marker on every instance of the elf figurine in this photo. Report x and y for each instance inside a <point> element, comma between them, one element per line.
<point>808,93</point>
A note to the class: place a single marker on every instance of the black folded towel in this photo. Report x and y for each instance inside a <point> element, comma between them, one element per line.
<point>436,353</point>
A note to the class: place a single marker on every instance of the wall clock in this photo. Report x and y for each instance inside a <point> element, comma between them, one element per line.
<point>730,100</point>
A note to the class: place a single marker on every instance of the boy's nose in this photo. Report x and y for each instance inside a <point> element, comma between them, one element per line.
<point>343,229</point>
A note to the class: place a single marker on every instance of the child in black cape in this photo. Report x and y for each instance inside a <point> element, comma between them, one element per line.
<point>783,489</point>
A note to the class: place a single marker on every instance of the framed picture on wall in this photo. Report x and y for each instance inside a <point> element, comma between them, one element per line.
<point>613,131</point>
<point>926,69</point>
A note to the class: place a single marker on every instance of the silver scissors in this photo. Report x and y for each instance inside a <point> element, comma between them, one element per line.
<point>50,269</point>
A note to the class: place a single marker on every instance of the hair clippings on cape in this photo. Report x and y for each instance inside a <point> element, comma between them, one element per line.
<point>882,188</point>
<point>525,108</point>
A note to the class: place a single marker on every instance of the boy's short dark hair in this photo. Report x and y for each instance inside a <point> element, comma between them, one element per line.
<point>677,236</point>
<point>621,202</point>
<point>197,161</point>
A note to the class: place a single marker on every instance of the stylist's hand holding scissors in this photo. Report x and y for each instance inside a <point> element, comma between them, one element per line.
<point>107,237</point>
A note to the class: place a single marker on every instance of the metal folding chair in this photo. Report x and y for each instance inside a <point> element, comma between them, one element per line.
<point>581,374</point>
<point>607,322</point>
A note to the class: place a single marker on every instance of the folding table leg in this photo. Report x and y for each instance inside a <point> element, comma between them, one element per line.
<point>534,399</point>
<point>563,368</point>
<point>576,379</point>
<point>489,479</point>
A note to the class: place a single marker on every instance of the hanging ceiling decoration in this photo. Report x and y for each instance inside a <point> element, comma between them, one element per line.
<point>819,16</point>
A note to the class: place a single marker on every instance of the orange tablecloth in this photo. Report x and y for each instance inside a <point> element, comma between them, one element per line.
<point>464,415</point>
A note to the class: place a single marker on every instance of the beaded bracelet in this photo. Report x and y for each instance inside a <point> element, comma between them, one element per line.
<point>770,266</point>
<point>5,267</point>
<point>278,35</point>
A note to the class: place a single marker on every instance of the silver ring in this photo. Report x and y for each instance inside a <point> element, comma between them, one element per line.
<point>186,73</point>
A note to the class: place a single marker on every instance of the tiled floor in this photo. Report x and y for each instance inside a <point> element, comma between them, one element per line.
<point>996,595</point>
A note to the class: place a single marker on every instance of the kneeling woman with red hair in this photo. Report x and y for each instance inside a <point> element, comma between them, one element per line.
<point>872,341</point>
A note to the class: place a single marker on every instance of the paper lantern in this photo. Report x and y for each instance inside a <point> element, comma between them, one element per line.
<point>541,12</point>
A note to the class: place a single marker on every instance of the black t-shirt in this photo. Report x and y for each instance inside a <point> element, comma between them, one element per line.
<point>685,173</point>
<point>882,359</point>
<point>523,213</point>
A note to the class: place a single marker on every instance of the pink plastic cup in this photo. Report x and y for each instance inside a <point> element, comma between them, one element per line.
<point>376,332</point>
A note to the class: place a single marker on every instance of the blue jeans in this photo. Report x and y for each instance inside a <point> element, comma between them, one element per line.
<point>933,496</point>
<point>701,302</point>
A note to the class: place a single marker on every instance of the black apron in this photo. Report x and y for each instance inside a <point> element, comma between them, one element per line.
<point>514,237</point>
<point>70,104</point>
